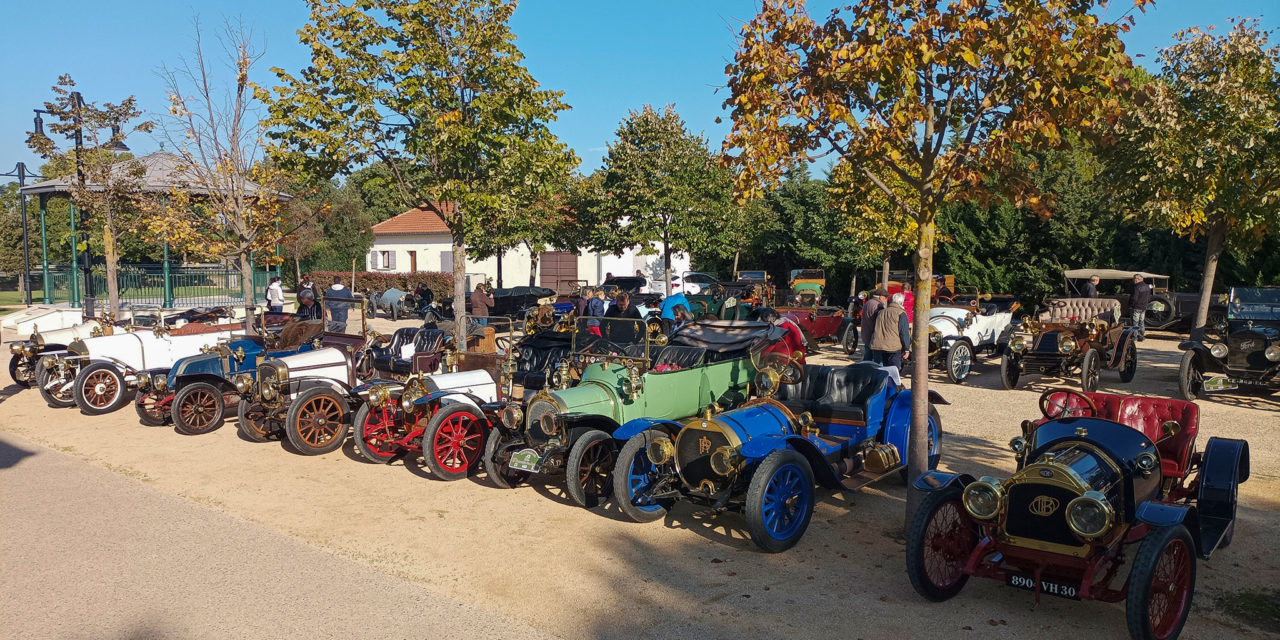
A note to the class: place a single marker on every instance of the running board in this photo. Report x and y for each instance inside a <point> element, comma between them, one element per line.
<point>864,478</point>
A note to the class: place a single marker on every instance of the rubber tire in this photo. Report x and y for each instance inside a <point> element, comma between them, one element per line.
<point>42,377</point>
<point>850,339</point>
<point>573,480</point>
<point>1144,564</point>
<point>1188,388</point>
<point>14,365</point>
<point>634,446</point>
<point>244,424</point>
<point>960,346</point>
<point>754,507</point>
<point>1090,371</point>
<point>1156,319</point>
<point>123,394</point>
<point>929,505</point>
<point>357,435</point>
<point>429,435</point>
<point>149,419</point>
<point>1009,372</point>
<point>295,410</point>
<point>904,473</point>
<point>1127,372</point>
<point>220,409</point>
<point>499,474</point>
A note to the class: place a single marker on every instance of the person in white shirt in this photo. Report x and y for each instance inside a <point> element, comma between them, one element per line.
<point>275,296</point>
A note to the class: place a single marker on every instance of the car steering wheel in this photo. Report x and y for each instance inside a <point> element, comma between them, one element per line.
<point>1064,408</point>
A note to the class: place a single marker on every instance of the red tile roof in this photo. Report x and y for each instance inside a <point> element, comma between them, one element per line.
<point>424,219</point>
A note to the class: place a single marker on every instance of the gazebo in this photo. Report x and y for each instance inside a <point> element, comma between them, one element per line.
<point>163,172</point>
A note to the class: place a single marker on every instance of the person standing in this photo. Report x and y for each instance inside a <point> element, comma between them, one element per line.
<point>307,307</point>
<point>306,285</point>
<point>1090,288</point>
<point>668,306</point>
<point>275,296</point>
<point>890,340</point>
<point>481,302</point>
<point>623,332</point>
<point>909,301</point>
<point>866,329</point>
<point>595,309</point>
<point>336,306</point>
<point>1138,302</point>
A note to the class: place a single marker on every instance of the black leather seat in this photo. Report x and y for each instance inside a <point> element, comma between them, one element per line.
<point>801,395</point>
<point>679,357</point>
<point>428,351</point>
<point>845,394</point>
<point>540,354</point>
<point>383,357</point>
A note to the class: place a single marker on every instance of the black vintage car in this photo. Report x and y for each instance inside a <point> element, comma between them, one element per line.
<point>1104,484</point>
<point>1245,357</point>
<point>511,302</point>
<point>1069,337</point>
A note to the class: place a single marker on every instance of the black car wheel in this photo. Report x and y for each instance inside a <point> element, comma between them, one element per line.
<point>959,361</point>
<point>100,389</point>
<point>198,408</point>
<point>22,369</point>
<point>499,473</point>
<point>850,339</point>
<point>1190,377</point>
<point>1161,584</point>
<point>939,543</point>
<point>1130,367</point>
<point>1010,369</point>
<point>253,423</point>
<point>589,468</point>
<point>150,413</point>
<point>1090,368</point>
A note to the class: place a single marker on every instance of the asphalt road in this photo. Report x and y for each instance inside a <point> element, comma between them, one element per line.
<point>87,553</point>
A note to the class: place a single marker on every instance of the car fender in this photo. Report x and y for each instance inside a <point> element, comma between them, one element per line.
<point>192,378</point>
<point>363,388</point>
<point>757,449</point>
<point>1165,514</point>
<point>897,422</point>
<point>935,480</point>
<point>584,422</point>
<point>1126,338</point>
<point>1223,467</point>
<point>635,427</point>
<point>302,385</point>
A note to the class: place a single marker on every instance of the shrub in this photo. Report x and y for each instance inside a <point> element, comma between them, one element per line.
<point>440,284</point>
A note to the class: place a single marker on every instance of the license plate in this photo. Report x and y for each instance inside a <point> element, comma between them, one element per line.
<point>525,460</point>
<point>1219,384</point>
<point>1051,587</point>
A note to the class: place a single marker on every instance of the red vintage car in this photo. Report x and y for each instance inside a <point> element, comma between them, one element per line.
<point>820,324</point>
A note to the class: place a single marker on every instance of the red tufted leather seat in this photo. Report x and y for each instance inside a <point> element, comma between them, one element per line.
<point>1148,415</point>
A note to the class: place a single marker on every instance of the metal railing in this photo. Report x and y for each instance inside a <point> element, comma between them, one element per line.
<point>153,284</point>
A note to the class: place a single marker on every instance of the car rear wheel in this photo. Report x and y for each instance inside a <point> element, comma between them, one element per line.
<point>1129,368</point>
<point>959,361</point>
<point>1161,584</point>
<point>22,370</point>
<point>633,474</point>
<point>499,473</point>
<point>590,468</point>
<point>150,412</point>
<point>1190,377</point>
<point>850,339</point>
<point>198,408</point>
<point>253,422</point>
<point>100,389</point>
<point>780,500</point>
<point>316,422</point>
<point>375,432</point>
<point>939,542</point>
<point>1090,368</point>
<point>453,441</point>
<point>1010,370</point>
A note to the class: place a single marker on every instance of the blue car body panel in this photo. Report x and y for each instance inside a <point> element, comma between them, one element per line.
<point>213,364</point>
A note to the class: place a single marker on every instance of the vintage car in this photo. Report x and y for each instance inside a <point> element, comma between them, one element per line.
<point>1071,336</point>
<point>26,353</point>
<point>1167,308</point>
<point>1246,357</point>
<point>393,302</point>
<point>194,393</point>
<point>808,287</point>
<point>1103,482</point>
<point>824,324</point>
<point>99,374</point>
<point>729,300</point>
<point>958,333</point>
<point>704,363</point>
<point>509,301</point>
<point>843,427</point>
<point>549,317</point>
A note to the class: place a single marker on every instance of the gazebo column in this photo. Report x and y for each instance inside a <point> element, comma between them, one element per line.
<point>168,282</point>
<point>73,280</point>
<point>44,248</point>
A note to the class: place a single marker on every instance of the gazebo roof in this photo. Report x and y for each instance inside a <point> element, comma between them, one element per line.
<point>163,172</point>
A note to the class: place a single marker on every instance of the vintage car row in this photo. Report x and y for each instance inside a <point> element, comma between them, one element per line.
<point>1068,337</point>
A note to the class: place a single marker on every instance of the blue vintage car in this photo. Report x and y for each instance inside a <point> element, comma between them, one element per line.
<point>843,427</point>
<point>193,394</point>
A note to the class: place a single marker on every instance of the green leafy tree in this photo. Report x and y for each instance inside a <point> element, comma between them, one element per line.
<point>437,92</point>
<point>1199,152</point>
<point>379,194</point>
<point>937,94</point>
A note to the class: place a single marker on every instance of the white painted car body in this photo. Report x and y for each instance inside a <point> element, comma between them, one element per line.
<point>980,330</point>
<point>328,366</point>
<point>143,350</point>
<point>477,383</point>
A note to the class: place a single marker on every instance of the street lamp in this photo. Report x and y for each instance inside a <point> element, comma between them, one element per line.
<point>20,172</point>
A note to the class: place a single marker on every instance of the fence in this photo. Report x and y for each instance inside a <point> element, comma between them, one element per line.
<point>151,284</point>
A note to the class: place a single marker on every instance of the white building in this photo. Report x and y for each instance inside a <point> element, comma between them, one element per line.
<point>418,240</point>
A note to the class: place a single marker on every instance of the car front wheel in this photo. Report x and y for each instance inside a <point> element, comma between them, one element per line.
<point>589,468</point>
<point>1010,369</point>
<point>1161,584</point>
<point>959,361</point>
<point>1190,377</point>
<point>22,370</point>
<point>100,389</point>
<point>850,339</point>
<point>499,473</point>
<point>150,412</point>
<point>253,423</point>
<point>939,542</point>
<point>198,408</point>
<point>633,475</point>
<point>453,441</point>
<point>780,501</point>
<point>316,422</point>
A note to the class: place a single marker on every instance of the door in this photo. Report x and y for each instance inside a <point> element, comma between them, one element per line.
<point>413,261</point>
<point>556,266</point>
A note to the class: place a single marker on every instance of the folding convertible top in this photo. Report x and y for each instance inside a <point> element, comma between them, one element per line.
<point>727,335</point>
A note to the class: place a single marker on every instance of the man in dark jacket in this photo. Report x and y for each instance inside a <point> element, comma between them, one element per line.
<point>623,332</point>
<point>873,304</point>
<point>1090,288</point>
<point>481,302</point>
<point>1138,302</point>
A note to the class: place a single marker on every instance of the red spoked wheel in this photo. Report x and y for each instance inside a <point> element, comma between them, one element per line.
<point>453,440</point>
<point>377,433</point>
<point>939,542</point>
<point>1161,584</point>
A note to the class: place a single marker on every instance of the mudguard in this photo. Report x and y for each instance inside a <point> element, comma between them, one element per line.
<point>937,480</point>
<point>301,385</point>
<point>362,389</point>
<point>897,424</point>
<point>1126,337</point>
<point>192,378</point>
<point>587,421</point>
<point>1224,466</point>
<point>1203,358</point>
<point>449,397</point>
<point>936,398</point>
<point>757,449</point>
<point>1164,514</point>
<point>634,427</point>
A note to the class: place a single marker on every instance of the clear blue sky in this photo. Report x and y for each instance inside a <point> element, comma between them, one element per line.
<point>607,56</point>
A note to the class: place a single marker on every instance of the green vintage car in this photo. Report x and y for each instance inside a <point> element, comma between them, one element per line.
<point>705,363</point>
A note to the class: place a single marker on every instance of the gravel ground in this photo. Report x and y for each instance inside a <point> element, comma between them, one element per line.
<point>529,555</point>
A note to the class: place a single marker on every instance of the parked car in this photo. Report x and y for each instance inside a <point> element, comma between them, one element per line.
<point>1246,357</point>
<point>1167,308</point>
<point>510,302</point>
<point>195,392</point>
<point>562,428</point>
<point>393,302</point>
<point>959,333</point>
<point>26,353</point>
<point>711,299</point>
<point>824,324</point>
<point>808,288</point>
<point>1071,336</point>
<point>842,427</point>
<point>1103,482</point>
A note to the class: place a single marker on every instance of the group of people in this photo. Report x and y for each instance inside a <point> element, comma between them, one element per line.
<point>333,312</point>
<point>885,328</point>
<point>1139,298</point>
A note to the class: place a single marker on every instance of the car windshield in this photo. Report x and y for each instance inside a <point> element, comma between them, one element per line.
<point>808,274</point>
<point>751,276</point>
<point>1254,303</point>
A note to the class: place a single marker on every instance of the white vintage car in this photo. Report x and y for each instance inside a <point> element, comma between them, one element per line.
<point>26,353</point>
<point>99,374</point>
<point>957,334</point>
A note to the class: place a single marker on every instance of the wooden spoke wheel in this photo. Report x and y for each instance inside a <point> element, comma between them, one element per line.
<point>316,422</point>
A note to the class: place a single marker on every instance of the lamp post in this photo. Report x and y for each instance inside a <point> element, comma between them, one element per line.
<point>115,145</point>
<point>20,172</point>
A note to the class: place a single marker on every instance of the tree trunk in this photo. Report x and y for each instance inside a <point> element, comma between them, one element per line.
<point>297,271</point>
<point>246,289</point>
<point>533,268</point>
<point>459,289</point>
<point>736,254</point>
<point>666,265</point>
<point>884,272</point>
<point>1215,238</point>
<point>918,438</point>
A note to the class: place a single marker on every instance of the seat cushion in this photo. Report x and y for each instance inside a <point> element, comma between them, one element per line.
<point>676,357</point>
<point>1080,310</point>
<point>1149,414</point>
<point>813,386</point>
<point>855,393</point>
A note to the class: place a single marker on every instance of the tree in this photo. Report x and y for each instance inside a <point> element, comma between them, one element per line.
<point>937,94</point>
<point>869,217</point>
<point>107,189</point>
<point>660,185</point>
<point>1200,150</point>
<point>435,91</point>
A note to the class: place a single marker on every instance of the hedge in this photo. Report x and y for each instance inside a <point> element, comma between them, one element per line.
<point>440,284</point>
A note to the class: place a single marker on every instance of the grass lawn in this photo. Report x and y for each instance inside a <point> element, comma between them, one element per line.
<point>11,301</point>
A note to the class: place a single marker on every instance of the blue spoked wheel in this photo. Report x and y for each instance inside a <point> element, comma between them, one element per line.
<point>780,501</point>
<point>633,473</point>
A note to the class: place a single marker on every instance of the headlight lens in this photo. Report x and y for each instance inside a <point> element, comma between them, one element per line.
<point>767,382</point>
<point>660,451</point>
<point>982,498</point>
<point>161,382</point>
<point>548,423</point>
<point>1067,345</point>
<point>243,383</point>
<point>626,387</point>
<point>30,351</point>
<point>511,416</point>
<point>379,395</point>
<point>725,460</point>
<point>1018,343</point>
<point>144,380</point>
<point>1089,516</point>
<point>15,348</point>
<point>1018,444</point>
<point>1272,353</point>
<point>1218,350</point>
<point>268,391</point>
<point>47,362</point>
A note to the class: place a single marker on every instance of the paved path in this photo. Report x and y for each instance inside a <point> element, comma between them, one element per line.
<point>86,553</point>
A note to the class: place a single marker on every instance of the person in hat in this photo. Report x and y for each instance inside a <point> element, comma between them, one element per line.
<point>1138,302</point>
<point>872,306</point>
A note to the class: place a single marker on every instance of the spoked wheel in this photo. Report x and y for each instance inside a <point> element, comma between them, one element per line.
<point>634,474</point>
<point>1130,366</point>
<point>501,475</point>
<point>198,408</point>
<point>850,339</point>
<point>590,468</point>
<point>150,410</point>
<point>780,501</point>
<point>253,423</point>
<point>316,422</point>
<point>55,390</point>
<point>23,370</point>
<point>100,389</point>
<point>376,431</point>
<point>939,543</point>
<point>1190,377</point>
<point>1090,368</point>
<point>453,441</point>
<point>1010,370</point>
<point>959,361</point>
<point>1161,584</point>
